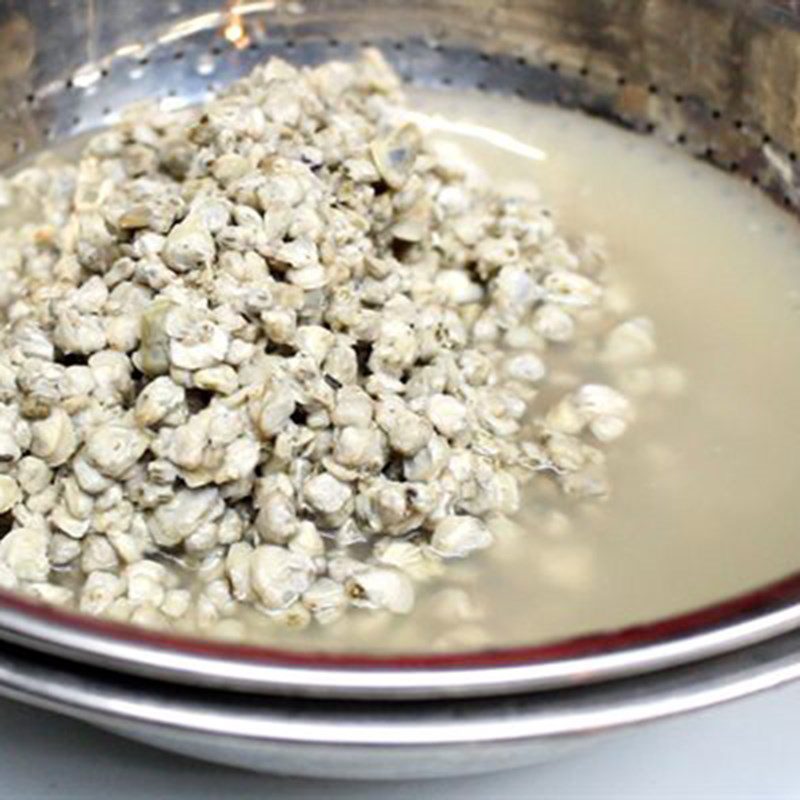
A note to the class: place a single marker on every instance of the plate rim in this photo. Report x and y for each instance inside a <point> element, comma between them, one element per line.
<point>104,697</point>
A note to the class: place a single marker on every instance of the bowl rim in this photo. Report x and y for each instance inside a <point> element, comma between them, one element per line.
<point>719,628</point>
<point>124,705</point>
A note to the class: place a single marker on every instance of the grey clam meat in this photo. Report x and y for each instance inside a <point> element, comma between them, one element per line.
<point>279,356</point>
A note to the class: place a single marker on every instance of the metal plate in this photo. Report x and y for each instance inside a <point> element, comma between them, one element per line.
<point>715,78</point>
<point>382,740</point>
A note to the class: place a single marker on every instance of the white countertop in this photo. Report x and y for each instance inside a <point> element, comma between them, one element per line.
<point>747,750</point>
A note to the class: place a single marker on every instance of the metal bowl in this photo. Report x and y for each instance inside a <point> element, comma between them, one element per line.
<point>718,79</point>
<point>708,632</point>
<point>382,739</point>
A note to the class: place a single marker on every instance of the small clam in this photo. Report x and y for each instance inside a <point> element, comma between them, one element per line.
<point>87,476</point>
<point>459,536</point>
<point>98,553</point>
<point>553,323</point>
<point>176,603</point>
<point>276,520</point>
<point>136,217</point>
<point>63,550</point>
<point>571,289</point>
<point>407,557</point>
<point>381,588</point>
<point>353,407</point>
<point>279,576</point>
<point>204,348</point>
<point>396,154</point>
<point>69,524</point>
<point>295,617</point>
<point>99,591</point>
<point>153,353</point>
<point>189,245</point>
<point>272,409</point>
<point>448,415</point>
<point>50,593</point>
<point>10,493</point>
<point>607,428</point>
<point>428,462</point>
<point>54,438</point>
<point>325,599</point>
<point>326,494</point>
<point>526,367</point>
<point>178,519</point>
<point>24,551</point>
<point>146,582</point>
<point>307,540</point>
<point>150,617</point>
<point>359,447</point>
<point>161,398</point>
<point>630,342</point>
<point>237,568</point>
<point>115,447</point>
<point>458,287</point>
<point>596,400</point>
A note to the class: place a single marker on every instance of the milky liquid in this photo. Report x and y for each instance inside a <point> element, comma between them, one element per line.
<point>706,486</point>
<point>706,492</point>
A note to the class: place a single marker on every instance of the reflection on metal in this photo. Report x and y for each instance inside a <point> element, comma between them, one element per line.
<point>496,138</point>
<point>17,47</point>
<point>255,7</point>
<point>235,31</point>
<point>186,28</point>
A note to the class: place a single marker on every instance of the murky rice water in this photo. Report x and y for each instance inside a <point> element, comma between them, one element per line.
<point>705,502</point>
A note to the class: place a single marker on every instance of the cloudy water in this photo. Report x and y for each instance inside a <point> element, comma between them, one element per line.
<point>705,503</point>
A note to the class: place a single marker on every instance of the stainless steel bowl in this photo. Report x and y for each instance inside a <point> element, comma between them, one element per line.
<point>407,740</point>
<point>716,77</point>
<point>726,627</point>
